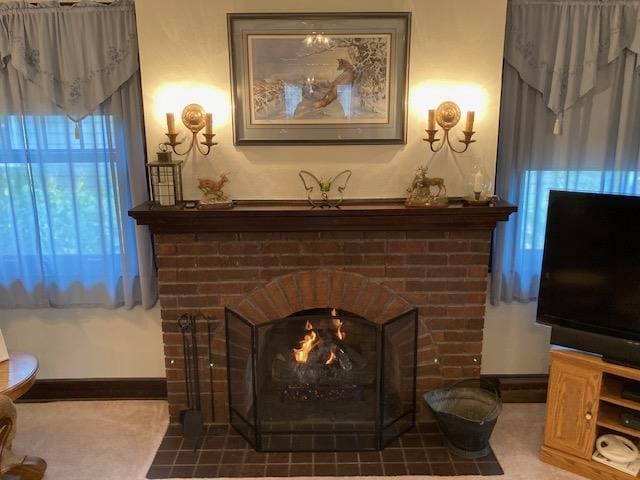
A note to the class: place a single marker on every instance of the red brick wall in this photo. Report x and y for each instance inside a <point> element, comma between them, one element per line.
<point>443,273</point>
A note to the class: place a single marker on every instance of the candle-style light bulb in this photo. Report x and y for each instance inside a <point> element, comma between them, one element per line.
<point>431,120</point>
<point>208,124</point>
<point>171,123</point>
<point>469,125</point>
<point>477,182</point>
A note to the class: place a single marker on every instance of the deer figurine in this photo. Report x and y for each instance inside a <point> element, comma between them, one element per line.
<point>212,194</point>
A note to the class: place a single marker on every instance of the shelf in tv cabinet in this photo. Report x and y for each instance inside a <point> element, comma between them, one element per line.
<point>609,416</point>
<point>612,393</point>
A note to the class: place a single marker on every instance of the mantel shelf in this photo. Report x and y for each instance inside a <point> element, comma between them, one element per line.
<point>354,215</point>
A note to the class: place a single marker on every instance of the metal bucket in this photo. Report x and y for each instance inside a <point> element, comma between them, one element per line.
<point>466,413</point>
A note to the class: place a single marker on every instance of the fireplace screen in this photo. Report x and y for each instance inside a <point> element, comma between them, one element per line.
<point>321,380</point>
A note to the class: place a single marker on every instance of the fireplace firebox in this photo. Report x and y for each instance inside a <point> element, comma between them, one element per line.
<point>322,380</point>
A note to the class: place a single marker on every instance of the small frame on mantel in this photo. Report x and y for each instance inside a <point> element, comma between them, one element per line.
<point>320,78</point>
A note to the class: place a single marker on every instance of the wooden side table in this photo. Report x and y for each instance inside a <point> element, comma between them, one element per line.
<point>17,376</point>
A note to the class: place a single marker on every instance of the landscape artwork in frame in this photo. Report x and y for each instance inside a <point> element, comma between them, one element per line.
<point>319,78</point>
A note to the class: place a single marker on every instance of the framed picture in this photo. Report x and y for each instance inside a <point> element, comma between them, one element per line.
<point>319,78</point>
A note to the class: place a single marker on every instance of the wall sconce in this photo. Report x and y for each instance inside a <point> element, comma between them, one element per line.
<point>195,119</point>
<point>447,115</point>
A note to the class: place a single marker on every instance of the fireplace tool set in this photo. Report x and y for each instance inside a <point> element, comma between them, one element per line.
<point>191,418</point>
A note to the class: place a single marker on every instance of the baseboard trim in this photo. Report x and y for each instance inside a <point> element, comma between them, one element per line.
<point>522,388</point>
<point>514,388</point>
<point>97,389</point>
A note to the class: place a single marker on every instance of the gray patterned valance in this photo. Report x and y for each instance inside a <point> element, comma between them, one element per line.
<point>557,46</point>
<point>79,55</point>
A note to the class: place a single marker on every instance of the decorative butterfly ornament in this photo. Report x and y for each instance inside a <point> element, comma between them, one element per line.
<point>324,188</point>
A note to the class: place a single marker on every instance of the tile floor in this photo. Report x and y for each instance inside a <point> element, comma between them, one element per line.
<point>224,453</point>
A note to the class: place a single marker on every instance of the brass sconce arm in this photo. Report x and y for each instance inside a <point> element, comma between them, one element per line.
<point>208,143</point>
<point>195,119</point>
<point>431,138</point>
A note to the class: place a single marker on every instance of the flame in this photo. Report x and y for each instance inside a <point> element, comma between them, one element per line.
<point>339,333</point>
<point>310,341</point>
<point>332,357</point>
<point>306,345</point>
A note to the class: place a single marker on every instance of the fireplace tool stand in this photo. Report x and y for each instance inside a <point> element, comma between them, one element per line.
<point>191,417</point>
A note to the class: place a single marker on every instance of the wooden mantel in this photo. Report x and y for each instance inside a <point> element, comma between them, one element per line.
<point>296,216</point>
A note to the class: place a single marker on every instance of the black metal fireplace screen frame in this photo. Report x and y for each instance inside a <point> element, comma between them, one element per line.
<point>385,432</point>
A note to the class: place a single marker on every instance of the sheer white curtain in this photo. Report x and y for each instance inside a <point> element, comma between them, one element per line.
<point>71,158</point>
<point>573,68</point>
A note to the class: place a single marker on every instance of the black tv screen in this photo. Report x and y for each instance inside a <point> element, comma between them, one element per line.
<point>591,264</point>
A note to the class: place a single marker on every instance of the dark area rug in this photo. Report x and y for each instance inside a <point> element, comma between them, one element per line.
<point>224,453</point>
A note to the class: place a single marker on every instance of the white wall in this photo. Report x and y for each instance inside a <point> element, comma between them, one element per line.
<point>88,343</point>
<point>513,342</point>
<point>456,53</point>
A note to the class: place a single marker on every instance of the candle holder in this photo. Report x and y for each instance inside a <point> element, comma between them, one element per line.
<point>447,115</point>
<point>195,119</point>
<point>479,187</point>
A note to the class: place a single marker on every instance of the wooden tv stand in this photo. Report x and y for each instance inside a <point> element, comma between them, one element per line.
<point>583,402</point>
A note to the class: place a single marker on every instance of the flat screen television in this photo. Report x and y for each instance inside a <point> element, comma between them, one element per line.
<point>590,280</point>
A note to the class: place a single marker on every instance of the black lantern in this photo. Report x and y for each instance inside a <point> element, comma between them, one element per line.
<point>165,182</point>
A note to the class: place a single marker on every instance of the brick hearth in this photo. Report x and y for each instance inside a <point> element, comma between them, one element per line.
<point>438,265</point>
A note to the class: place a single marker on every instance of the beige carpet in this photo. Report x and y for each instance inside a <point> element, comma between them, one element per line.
<point>117,440</point>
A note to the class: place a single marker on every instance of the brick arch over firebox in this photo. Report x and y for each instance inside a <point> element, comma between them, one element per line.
<point>304,290</point>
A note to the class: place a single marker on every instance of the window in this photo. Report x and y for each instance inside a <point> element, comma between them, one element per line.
<point>534,203</point>
<point>58,199</point>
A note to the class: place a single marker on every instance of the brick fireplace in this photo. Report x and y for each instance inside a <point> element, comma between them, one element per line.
<point>267,260</point>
